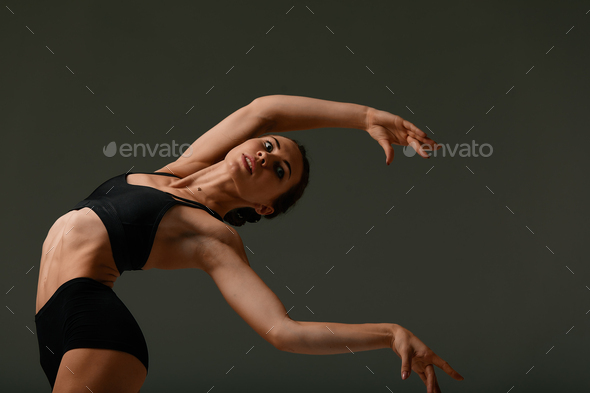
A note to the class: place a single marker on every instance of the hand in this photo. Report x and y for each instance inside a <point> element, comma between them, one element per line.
<point>417,356</point>
<point>387,129</point>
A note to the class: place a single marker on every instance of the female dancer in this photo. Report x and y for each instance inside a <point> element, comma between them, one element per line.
<point>172,219</point>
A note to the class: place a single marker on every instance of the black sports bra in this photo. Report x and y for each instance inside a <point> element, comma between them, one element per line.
<point>131,215</point>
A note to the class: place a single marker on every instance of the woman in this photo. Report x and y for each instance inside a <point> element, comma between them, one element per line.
<point>171,219</point>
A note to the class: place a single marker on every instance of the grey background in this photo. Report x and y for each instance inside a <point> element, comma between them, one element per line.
<point>449,262</point>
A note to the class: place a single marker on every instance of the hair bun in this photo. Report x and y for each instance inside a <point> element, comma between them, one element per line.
<point>238,217</point>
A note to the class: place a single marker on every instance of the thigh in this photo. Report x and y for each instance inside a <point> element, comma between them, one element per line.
<point>99,370</point>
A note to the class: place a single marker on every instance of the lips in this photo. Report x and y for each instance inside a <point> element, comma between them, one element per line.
<point>246,163</point>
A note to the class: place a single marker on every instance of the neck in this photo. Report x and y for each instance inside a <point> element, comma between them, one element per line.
<point>218,190</point>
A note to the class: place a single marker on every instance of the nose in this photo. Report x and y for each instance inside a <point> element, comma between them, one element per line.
<point>264,157</point>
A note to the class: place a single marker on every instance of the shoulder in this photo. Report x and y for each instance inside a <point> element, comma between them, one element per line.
<point>222,244</point>
<point>227,235</point>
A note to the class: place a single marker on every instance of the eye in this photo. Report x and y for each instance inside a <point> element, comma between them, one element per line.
<point>279,169</point>
<point>280,172</point>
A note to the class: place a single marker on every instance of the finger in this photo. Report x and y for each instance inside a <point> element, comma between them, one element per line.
<point>446,367</point>
<point>406,363</point>
<point>423,378</point>
<point>425,141</point>
<point>430,378</point>
<point>437,388</point>
<point>413,128</point>
<point>388,150</point>
<point>428,145</point>
<point>416,145</point>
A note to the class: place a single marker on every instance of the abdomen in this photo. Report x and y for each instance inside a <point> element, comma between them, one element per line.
<point>77,245</point>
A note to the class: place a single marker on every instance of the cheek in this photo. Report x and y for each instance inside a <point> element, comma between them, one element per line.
<point>270,185</point>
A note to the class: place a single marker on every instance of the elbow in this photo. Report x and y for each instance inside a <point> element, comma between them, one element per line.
<point>260,103</point>
<point>285,336</point>
<point>278,345</point>
<point>278,341</point>
<point>264,98</point>
<point>262,108</point>
<point>281,345</point>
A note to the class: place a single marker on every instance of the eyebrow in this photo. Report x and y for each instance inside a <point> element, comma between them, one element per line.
<point>286,162</point>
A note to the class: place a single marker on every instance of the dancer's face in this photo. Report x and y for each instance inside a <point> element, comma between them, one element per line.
<point>277,165</point>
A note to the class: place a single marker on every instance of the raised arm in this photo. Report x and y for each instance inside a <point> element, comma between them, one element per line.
<point>282,113</point>
<point>276,113</point>
<point>288,113</point>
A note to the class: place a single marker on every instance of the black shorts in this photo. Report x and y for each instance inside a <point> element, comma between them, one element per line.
<point>84,313</point>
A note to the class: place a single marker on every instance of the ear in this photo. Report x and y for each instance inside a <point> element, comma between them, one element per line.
<point>264,210</point>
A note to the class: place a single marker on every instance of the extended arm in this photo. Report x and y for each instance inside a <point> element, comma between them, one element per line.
<point>225,261</point>
<point>260,308</point>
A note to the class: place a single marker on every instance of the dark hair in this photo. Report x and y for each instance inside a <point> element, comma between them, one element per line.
<point>238,217</point>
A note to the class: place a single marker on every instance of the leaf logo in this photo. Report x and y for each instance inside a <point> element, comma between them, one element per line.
<point>408,151</point>
<point>110,149</point>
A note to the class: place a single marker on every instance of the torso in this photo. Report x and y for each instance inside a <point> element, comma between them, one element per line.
<point>77,245</point>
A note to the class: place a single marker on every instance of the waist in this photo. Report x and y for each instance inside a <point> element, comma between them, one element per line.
<point>68,285</point>
<point>80,236</point>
